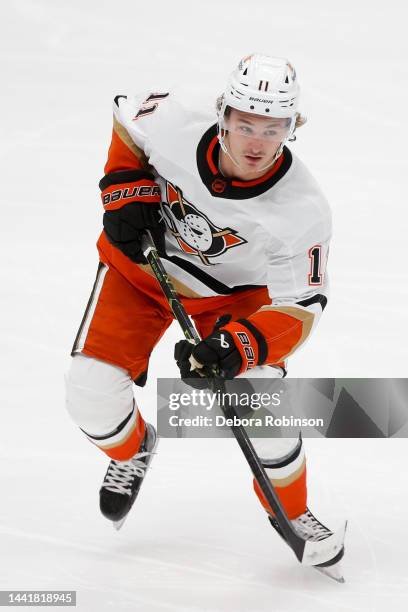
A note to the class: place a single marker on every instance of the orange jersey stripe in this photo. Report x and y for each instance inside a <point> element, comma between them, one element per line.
<point>120,156</point>
<point>281,332</point>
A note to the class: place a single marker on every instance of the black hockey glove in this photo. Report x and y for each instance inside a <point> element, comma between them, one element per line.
<point>132,205</point>
<point>216,351</point>
<point>182,354</point>
<point>232,348</point>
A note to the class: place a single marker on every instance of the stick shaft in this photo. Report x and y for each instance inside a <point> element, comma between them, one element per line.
<point>218,384</point>
<point>167,287</point>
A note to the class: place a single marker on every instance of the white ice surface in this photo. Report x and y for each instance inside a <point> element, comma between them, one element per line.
<point>197,539</point>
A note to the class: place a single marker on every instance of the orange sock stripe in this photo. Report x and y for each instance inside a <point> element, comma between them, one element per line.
<point>293,497</point>
<point>129,447</point>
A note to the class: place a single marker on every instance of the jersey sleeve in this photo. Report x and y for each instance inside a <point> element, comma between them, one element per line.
<point>298,287</point>
<point>127,148</point>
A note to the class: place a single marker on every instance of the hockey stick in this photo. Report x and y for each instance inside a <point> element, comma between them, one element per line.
<point>307,552</point>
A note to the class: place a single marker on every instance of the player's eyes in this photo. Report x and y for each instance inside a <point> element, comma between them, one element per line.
<point>245,129</point>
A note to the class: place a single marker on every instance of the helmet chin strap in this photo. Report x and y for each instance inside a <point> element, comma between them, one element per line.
<point>224,147</point>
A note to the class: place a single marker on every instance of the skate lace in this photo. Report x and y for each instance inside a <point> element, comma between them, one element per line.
<point>121,474</point>
<point>308,526</point>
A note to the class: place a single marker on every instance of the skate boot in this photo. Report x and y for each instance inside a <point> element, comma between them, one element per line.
<point>313,530</point>
<point>123,480</point>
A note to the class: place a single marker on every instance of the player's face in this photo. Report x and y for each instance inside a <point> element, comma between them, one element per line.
<point>253,140</point>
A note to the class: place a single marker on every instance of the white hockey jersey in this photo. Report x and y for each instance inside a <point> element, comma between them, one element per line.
<point>225,235</point>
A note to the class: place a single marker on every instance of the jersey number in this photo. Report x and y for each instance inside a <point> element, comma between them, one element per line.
<point>315,256</point>
<point>149,105</point>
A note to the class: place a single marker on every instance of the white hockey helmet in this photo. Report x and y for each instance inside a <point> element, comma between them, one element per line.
<point>261,85</point>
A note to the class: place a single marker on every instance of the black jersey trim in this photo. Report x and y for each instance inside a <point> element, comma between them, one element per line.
<point>117,98</point>
<point>316,299</point>
<point>221,186</point>
<point>206,279</point>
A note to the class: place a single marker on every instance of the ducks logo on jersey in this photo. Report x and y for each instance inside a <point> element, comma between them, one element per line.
<point>194,232</point>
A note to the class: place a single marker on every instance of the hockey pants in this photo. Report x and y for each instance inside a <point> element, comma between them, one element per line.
<point>119,330</point>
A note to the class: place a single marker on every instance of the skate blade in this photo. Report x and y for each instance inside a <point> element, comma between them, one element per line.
<point>333,571</point>
<point>118,524</point>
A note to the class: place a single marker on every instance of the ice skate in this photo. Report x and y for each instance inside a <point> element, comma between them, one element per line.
<point>123,480</point>
<point>313,530</point>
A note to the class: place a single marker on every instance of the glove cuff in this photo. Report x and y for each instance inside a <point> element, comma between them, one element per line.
<point>122,188</point>
<point>259,337</point>
<point>249,342</point>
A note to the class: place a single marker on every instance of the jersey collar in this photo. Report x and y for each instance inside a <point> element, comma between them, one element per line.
<point>220,186</point>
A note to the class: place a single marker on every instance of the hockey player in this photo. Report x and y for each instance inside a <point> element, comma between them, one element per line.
<point>243,232</point>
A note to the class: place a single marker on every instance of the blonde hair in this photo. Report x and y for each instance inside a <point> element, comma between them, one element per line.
<point>300,120</point>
